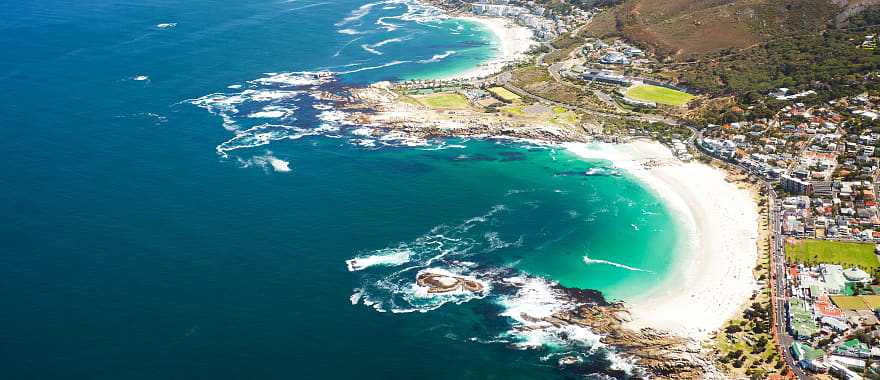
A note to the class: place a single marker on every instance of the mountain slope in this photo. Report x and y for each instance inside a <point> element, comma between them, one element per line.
<point>685,29</point>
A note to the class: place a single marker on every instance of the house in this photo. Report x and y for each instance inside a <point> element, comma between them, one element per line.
<point>614,58</point>
<point>634,52</point>
<point>853,348</point>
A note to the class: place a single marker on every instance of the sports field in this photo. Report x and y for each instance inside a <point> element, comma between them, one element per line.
<point>813,252</point>
<point>443,100</point>
<point>659,95</point>
<point>856,302</point>
<point>504,94</point>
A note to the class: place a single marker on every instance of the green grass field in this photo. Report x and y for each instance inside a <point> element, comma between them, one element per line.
<point>659,95</point>
<point>444,100</point>
<point>850,303</point>
<point>504,94</point>
<point>516,111</point>
<point>813,252</point>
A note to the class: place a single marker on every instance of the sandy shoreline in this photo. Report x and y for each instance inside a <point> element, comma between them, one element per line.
<point>514,41</point>
<point>713,276</point>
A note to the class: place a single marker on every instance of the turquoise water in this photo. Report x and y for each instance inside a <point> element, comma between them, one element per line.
<point>145,240</point>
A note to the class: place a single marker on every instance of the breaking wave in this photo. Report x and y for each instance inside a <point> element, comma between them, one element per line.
<point>588,261</point>
<point>438,57</point>
<point>267,161</point>
<point>444,249</point>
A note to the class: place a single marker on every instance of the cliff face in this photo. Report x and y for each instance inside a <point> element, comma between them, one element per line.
<point>685,29</point>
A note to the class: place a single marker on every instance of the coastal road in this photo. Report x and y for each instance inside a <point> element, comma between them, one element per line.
<point>778,281</point>
<point>779,285</point>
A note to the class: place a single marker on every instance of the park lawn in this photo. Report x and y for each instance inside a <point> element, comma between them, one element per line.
<point>516,111</point>
<point>814,252</point>
<point>444,100</point>
<point>504,94</point>
<point>659,95</point>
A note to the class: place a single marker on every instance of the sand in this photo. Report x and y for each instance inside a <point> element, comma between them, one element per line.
<point>514,41</point>
<point>713,276</point>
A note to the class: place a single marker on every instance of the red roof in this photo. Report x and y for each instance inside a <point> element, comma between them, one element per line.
<point>826,309</point>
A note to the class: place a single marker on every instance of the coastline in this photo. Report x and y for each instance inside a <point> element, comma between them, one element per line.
<point>711,276</point>
<point>513,42</point>
<point>712,272</point>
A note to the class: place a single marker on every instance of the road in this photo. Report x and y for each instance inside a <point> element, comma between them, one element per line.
<point>505,81</point>
<point>779,284</point>
<point>778,280</point>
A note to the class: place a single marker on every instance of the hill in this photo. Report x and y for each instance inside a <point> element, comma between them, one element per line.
<point>686,29</point>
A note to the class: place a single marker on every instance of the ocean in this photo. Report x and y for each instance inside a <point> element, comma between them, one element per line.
<point>180,199</point>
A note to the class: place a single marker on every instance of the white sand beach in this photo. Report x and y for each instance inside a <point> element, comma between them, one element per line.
<point>713,276</point>
<point>515,40</point>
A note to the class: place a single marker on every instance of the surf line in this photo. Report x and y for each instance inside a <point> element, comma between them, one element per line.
<point>588,260</point>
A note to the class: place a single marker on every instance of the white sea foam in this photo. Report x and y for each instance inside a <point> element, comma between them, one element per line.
<point>392,63</point>
<point>267,114</point>
<point>261,135</point>
<point>234,86</point>
<point>294,79</point>
<point>438,57</point>
<point>267,161</point>
<point>388,257</point>
<point>372,48</point>
<point>167,25</point>
<point>140,78</point>
<point>356,296</point>
<point>350,32</point>
<point>347,44</point>
<point>358,14</point>
<point>362,131</point>
<point>588,261</point>
<point>365,143</point>
<point>389,27</point>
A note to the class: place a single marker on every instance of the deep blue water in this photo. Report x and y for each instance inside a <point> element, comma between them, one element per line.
<point>142,239</point>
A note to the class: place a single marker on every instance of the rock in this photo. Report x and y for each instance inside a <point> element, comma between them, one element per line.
<point>442,283</point>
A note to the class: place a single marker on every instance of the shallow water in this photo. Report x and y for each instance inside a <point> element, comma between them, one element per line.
<point>178,205</point>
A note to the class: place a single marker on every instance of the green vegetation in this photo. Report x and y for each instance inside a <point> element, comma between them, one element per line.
<point>745,346</point>
<point>832,61</point>
<point>568,118</point>
<point>516,111</point>
<point>662,132</point>
<point>536,80</point>
<point>659,95</point>
<point>504,94</point>
<point>444,100</point>
<point>814,252</point>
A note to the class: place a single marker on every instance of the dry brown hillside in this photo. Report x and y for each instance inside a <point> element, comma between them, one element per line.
<point>685,29</point>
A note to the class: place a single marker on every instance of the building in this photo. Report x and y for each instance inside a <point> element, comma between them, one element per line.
<point>795,185</point>
<point>614,58</point>
<point>800,321</point>
<point>633,52</point>
<point>856,275</point>
<point>606,76</point>
<point>853,348</point>
<point>832,275</point>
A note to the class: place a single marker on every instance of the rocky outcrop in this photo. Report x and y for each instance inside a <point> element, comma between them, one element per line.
<point>442,283</point>
<point>660,354</point>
